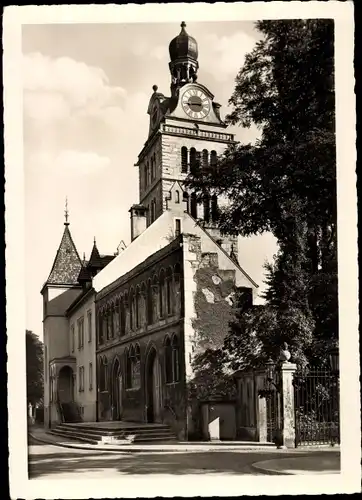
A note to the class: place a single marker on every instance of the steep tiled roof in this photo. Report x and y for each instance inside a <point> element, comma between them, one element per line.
<point>67,264</point>
<point>94,259</point>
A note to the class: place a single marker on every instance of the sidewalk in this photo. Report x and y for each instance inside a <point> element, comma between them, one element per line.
<point>323,463</point>
<point>40,434</point>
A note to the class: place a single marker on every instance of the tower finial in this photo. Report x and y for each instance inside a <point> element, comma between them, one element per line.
<point>66,212</point>
<point>183,25</point>
<point>94,241</point>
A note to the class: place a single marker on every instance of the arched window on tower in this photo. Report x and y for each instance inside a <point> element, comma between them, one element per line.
<point>192,159</point>
<point>214,208</point>
<point>206,202</point>
<point>213,159</point>
<point>205,159</point>
<point>177,196</point>
<point>193,206</point>
<point>184,159</point>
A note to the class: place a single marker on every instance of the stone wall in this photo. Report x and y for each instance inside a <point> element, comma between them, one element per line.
<point>146,336</point>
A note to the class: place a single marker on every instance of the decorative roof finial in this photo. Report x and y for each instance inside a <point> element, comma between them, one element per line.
<point>183,25</point>
<point>83,257</point>
<point>154,88</point>
<point>94,241</point>
<point>66,213</point>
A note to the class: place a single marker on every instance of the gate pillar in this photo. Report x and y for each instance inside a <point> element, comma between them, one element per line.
<point>288,433</point>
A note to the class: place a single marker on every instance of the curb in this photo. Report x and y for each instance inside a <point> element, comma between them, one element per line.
<point>270,472</point>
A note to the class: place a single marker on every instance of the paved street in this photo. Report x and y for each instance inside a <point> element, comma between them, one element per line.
<point>53,462</point>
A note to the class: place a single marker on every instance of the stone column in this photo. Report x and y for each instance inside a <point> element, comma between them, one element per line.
<point>261,411</point>
<point>288,432</point>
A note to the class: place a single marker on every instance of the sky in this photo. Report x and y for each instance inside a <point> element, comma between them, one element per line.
<point>86,89</point>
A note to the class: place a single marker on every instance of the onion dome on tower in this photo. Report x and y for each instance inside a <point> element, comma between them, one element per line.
<point>183,54</point>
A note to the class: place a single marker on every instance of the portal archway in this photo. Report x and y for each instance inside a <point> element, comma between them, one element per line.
<point>153,387</point>
<point>65,386</point>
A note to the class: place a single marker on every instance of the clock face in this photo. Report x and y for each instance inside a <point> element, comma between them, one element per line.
<point>195,103</point>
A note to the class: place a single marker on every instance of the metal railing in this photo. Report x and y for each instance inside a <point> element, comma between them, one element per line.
<point>316,407</point>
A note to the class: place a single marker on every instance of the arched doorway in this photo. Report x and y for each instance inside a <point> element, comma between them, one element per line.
<point>117,390</point>
<point>65,386</point>
<point>154,387</point>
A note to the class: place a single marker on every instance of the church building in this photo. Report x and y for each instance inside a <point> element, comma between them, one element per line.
<point>168,295</point>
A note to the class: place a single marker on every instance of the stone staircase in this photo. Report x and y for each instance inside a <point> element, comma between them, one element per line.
<point>111,433</point>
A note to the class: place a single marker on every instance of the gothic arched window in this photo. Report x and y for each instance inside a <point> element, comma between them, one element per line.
<point>184,159</point>
<point>149,303</point>
<point>129,353</point>
<point>138,308</point>
<point>100,328</point>
<point>161,291</point>
<point>168,359</point>
<point>131,309</point>
<point>133,365</point>
<point>122,318</point>
<point>175,359</point>
<point>116,319</point>
<point>103,374</point>
<point>172,367</point>
<point>205,159</point>
<point>213,159</point>
<point>146,174</point>
<point>177,196</point>
<point>193,207</point>
<point>169,297</point>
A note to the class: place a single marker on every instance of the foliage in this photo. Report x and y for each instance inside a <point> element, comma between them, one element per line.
<point>286,184</point>
<point>211,380</point>
<point>34,368</point>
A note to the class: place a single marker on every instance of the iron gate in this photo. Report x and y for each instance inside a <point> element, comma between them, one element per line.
<point>272,394</point>
<point>316,406</point>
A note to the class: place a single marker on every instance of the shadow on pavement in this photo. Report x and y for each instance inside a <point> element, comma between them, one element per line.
<point>165,463</point>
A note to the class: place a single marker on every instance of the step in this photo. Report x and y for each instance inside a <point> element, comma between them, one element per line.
<point>73,438</point>
<point>114,432</point>
<point>110,428</point>
<point>165,435</point>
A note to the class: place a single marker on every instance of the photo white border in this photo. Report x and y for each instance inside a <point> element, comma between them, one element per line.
<point>349,480</point>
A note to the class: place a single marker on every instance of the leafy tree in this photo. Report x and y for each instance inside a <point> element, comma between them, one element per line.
<point>34,367</point>
<point>211,379</point>
<point>286,184</point>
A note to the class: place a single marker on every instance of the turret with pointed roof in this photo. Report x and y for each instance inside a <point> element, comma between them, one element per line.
<point>67,263</point>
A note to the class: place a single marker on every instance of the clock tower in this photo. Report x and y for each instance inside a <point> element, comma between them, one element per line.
<point>185,132</point>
